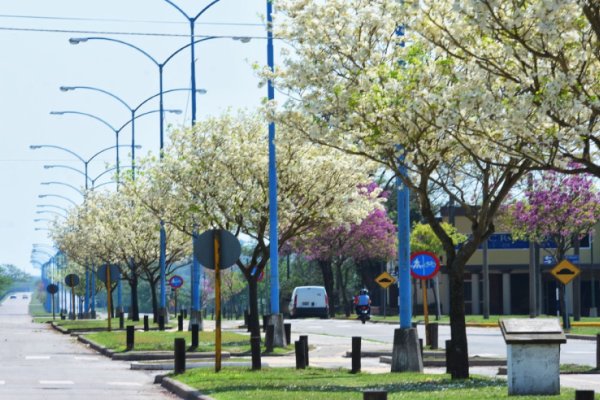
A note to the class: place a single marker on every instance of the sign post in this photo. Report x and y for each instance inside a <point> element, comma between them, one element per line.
<point>217,249</point>
<point>424,265</point>
<point>71,281</point>
<point>565,272</point>
<point>105,274</point>
<point>176,282</point>
<point>52,289</point>
<point>385,280</point>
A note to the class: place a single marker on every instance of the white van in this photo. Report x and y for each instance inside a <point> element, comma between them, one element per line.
<point>309,301</point>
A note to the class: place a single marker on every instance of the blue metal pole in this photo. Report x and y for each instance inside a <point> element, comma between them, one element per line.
<point>86,299</point>
<point>163,233</point>
<point>404,298</point>
<point>133,144</point>
<point>119,293</point>
<point>93,311</point>
<point>273,220</point>
<point>195,280</point>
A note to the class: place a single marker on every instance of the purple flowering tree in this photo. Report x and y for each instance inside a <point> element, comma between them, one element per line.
<point>373,239</point>
<point>558,208</point>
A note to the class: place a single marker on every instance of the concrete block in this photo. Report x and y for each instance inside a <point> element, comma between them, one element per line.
<point>533,369</point>
<point>406,354</point>
<point>279,332</point>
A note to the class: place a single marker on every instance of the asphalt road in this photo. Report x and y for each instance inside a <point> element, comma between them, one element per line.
<point>39,363</point>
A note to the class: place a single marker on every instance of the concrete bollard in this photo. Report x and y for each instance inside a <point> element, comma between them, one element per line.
<point>356,354</point>
<point>288,333</point>
<point>584,395</point>
<point>179,356</point>
<point>432,335</point>
<point>374,395</point>
<point>180,322</point>
<point>255,347</point>
<point>304,338</point>
<point>146,324</point>
<point>130,337</point>
<point>195,329</point>
<point>300,354</point>
<point>269,338</point>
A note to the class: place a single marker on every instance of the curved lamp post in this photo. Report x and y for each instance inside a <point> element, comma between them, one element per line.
<point>116,131</point>
<point>43,206</point>
<point>132,110</point>
<point>160,66</point>
<point>56,214</point>
<point>42,196</point>
<point>63,184</point>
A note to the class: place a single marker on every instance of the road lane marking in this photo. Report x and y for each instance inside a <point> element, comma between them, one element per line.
<point>37,357</point>
<point>87,358</point>
<point>56,383</point>
<point>124,383</point>
<point>2,382</point>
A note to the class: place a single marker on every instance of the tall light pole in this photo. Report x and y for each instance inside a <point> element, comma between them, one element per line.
<point>132,110</point>
<point>160,66</point>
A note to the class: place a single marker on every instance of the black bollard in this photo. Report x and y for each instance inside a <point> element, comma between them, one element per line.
<point>356,354</point>
<point>265,322</point>
<point>300,354</point>
<point>598,351</point>
<point>433,335</point>
<point>448,357</point>
<point>421,347</point>
<point>146,325</point>
<point>304,338</point>
<point>121,321</point>
<point>255,346</point>
<point>584,395</point>
<point>195,329</point>
<point>269,338</point>
<point>185,313</point>
<point>374,394</point>
<point>180,322</point>
<point>179,356</point>
<point>161,323</point>
<point>288,333</point>
<point>130,337</point>
<point>245,318</point>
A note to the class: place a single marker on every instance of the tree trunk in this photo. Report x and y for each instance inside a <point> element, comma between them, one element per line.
<point>134,310</point>
<point>341,285</point>
<point>458,331</point>
<point>253,321</point>
<point>327,272</point>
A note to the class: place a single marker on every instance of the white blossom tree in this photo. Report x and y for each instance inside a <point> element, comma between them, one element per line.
<point>215,176</point>
<point>358,86</point>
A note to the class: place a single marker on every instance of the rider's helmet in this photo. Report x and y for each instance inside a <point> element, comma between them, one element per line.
<point>364,291</point>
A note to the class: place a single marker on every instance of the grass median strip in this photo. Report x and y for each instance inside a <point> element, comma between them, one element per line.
<point>163,341</point>
<point>315,383</point>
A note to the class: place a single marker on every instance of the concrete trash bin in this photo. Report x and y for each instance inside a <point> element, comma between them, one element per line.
<point>533,355</point>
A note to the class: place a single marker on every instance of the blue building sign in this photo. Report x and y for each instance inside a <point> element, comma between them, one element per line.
<point>504,241</point>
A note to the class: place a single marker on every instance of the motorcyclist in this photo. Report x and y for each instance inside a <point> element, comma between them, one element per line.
<point>362,299</point>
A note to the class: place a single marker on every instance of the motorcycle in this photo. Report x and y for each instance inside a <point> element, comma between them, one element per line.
<point>364,313</point>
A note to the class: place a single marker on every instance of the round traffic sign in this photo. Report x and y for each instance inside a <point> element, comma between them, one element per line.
<point>424,265</point>
<point>71,280</point>
<point>229,248</point>
<point>176,282</point>
<point>115,273</point>
<point>52,288</point>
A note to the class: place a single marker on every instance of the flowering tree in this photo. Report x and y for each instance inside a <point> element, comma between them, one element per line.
<point>560,209</point>
<point>548,51</point>
<point>373,238</point>
<point>356,85</point>
<point>215,176</point>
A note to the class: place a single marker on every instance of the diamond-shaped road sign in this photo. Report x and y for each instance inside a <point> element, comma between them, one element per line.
<point>565,272</point>
<point>385,280</point>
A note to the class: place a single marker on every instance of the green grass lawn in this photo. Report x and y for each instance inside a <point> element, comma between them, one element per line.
<point>315,383</point>
<point>157,340</point>
<point>82,324</point>
<point>36,309</point>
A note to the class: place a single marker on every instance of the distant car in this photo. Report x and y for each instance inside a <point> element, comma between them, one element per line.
<point>13,296</point>
<point>309,301</point>
<point>25,296</point>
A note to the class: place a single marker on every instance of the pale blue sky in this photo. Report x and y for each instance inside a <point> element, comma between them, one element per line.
<point>34,64</point>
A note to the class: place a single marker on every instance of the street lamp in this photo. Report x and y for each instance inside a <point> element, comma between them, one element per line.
<point>132,110</point>
<point>53,206</point>
<point>160,66</point>
<point>41,196</point>
<point>83,160</point>
<point>63,184</point>
<point>116,131</point>
<point>57,214</point>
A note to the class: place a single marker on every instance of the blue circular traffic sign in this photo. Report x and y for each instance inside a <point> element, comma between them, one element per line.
<point>176,282</point>
<point>424,265</point>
